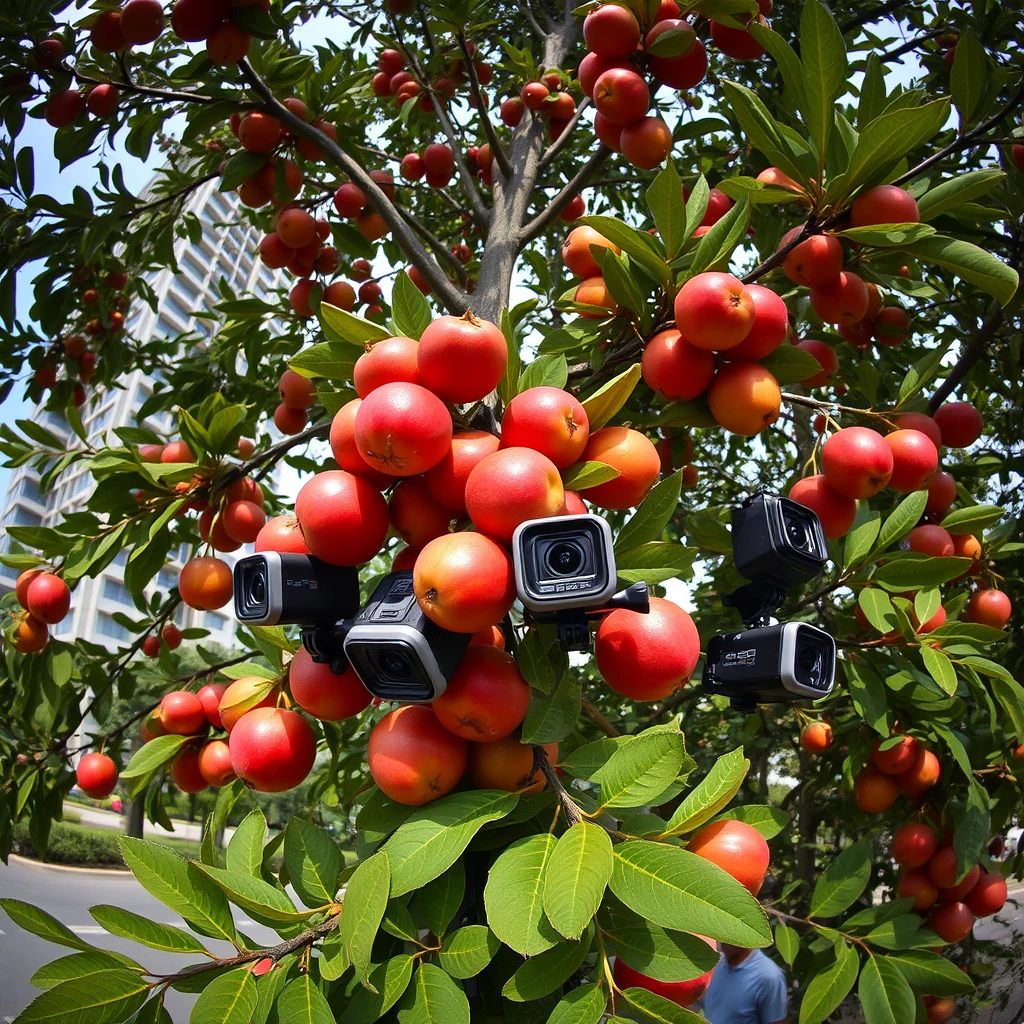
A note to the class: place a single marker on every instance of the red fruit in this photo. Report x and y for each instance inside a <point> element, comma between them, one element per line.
<point>919,421</point>
<point>464,582</point>
<point>243,521</point>
<point>844,301</point>
<point>884,204</point>
<point>508,764</point>
<point>151,646</point>
<point>674,368</point>
<point>683,993</point>
<point>827,360</point>
<point>343,517</point>
<point>560,107</point>
<point>181,713</point>
<point>916,883</point>
<point>185,772</point>
<point>988,895</point>
<point>48,598</point>
<point>510,487</point>
<point>576,251</point>
<point>621,95</point>
<point>96,776</point>
<point>290,421</point>
<point>272,749</point>
<point>63,107</point>
<point>990,608</point>
<point>102,100</point>
<point>875,792</point>
<point>646,143</point>
<point>345,450</point>
<point>611,31</point>
<point>31,636</point>
<point>487,697</point>
<point>369,293</point>
<point>737,43</point>
<point>210,696</point>
<point>856,462</point>
<point>273,252</point>
<point>684,72</point>
<point>647,657</point>
<point>922,776</point>
<point>242,696</point>
<point>737,848</point>
<point>215,764</point>
<point>323,694</point>
<point>816,737</point>
<point>390,62</point>
<point>816,262</point>
<point>405,560</point>
<point>361,270</point>
<point>296,391</point>
<point>350,201</point>
<point>633,455</point>
<point>105,34</point>
<point>961,889</point>
<point>575,209</point>
<point>416,516</point>
<point>205,583</point>
<point>194,20</point>
<point>462,359</point>
<point>438,159</point>
<point>959,423</point>
<point>914,459</point>
<point>609,134</point>
<point>402,429</point>
<point>941,494</point>
<point>142,21</point>
<point>447,480</point>
<point>768,329</point>
<point>281,533</point>
<point>548,420</point>
<point>914,844</point>
<point>952,922</point>
<point>931,540</point>
<point>295,227</point>
<point>890,326</point>
<point>228,44</point>
<point>388,361</point>
<point>490,637</point>
<point>680,43</point>
<point>591,68</point>
<point>257,132</point>
<point>714,311</point>
<point>896,759</point>
<point>22,585</point>
<point>836,511</point>
<point>340,294</point>
<point>49,52</point>
<point>744,398</point>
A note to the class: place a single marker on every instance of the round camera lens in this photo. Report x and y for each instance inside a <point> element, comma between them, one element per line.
<point>564,558</point>
<point>257,588</point>
<point>809,661</point>
<point>396,665</point>
<point>797,533</point>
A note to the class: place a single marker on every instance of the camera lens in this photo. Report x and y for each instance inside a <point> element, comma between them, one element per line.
<point>797,533</point>
<point>257,594</point>
<point>396,664</point>
<point>810,661</point>
<point>564,558</point>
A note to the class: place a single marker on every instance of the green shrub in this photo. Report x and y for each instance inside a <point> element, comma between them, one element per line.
<point>72,844</point>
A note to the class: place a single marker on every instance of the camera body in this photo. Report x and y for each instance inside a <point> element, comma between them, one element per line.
<point>769,664</point>
<point>274,588</point>
<point>397,652</point>
<point>563,562</point>
<point>777,540</point>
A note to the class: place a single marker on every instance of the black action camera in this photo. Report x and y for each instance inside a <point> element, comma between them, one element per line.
<point>275,589</point>
<point>397,652</point>
<point>769,664</point>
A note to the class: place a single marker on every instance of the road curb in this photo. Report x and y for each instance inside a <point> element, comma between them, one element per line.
<point>43,866</point>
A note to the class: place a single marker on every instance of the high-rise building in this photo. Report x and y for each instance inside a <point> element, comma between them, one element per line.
<point>227,250</point>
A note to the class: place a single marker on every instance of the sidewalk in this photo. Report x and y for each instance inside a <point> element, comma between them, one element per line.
<point>96,818</point>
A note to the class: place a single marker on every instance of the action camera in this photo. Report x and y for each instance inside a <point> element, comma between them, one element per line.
<point>770,664</point>
<point>275,589</point>
<point>397,652</point>
<point>563,562</point>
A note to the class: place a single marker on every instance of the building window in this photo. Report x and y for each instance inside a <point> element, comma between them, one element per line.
<point>166,579</point>
<point>106,626</point>
<point>19,516</point>
<point>29,488</point>
<point>175,308</point>
<point>115,590</point>
<point>213,621</point>
<point>164,326</point>
<point>121,558</point>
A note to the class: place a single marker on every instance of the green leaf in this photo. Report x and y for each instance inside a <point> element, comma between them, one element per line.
<point>551,717</point>
<point>245,847</point>
<point>435,836</point>
<point>665,201</point>
<point>862,536</point>
<point>540,659</point>
<point>843,881</point>
<point>659,1009</point>
<point>105,997</point>
<point>466,951</point>
<point>303,1003</point>
<point>604,403</point>
<point>508,387</point>
<point>716,247</point>
<point>872,91</point>
<point>653,514</point>
<point>153,755</point>
<point>789,364</point>
<point>970,75</point>
<point>639,771</point>
<point>583,1005</point>
<point>883,236</point>
<point>902,519</point>
<point>940,668</point>
<point>696,206</point>
<point>514,895</point>
<point>546,973</point>
<point>970,835</point>
<point>329,359</point>
<point>550,371</point>
<point>433,998</point>
<point>258,898</point>
<point>823,53</point>
<point>654,562</point>
<point>711,795</point>
<point>972,519</point>
<point>971,263</point>
<point>582,475</point>
<point>932,973</point>
<point>954,192</point>
<point>388,980</point>
<point>631,242</point>
<point>769,821</point>
<point>787,942</point>
<point>398,921</point>
<point>885,996</point>
<point>340,325</point>
<point>366,896</point>
<point>440,899</point>
<point>410,310</point>
<point>142,929</point>
<point>75,966</point>
<point>229,999</point>
<point>760,128</point>
<point>579,870</point>
<point>313,861</point>
<point>679,890</point>
<point>39,922</point>
<point>180,885</point>
<point>868,695</point>
<point>915,570</point>
<point>334,960</point>
<point>829,987</point>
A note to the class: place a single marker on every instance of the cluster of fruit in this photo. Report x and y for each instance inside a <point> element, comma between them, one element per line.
<point>436,165</point>
<point>400,85</point>
<point>353,204</point>
<point>545,97</point>
<point>46,600</point>
<point>903,765</point>
<point>297,396</point>
<point>169,639</point>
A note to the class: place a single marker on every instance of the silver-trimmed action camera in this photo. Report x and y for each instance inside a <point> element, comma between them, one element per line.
<point>274,588</point>
<point>769,664</point>
<point>397,652</point>
<point>564,562</point>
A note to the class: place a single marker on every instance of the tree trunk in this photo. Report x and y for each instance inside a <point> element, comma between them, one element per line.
<point>807,827</point>
<point>135,817</point>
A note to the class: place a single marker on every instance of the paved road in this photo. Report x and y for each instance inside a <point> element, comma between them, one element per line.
<point>67,894</point>
<point>97,818</point>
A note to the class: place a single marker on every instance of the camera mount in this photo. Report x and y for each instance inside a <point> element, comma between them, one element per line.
<point>756,602</point>
<point>573,624</point>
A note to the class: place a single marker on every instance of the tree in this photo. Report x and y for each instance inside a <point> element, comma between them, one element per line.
<point>825,191</point>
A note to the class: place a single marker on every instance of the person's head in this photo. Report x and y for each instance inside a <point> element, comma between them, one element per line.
<point>734,954</point>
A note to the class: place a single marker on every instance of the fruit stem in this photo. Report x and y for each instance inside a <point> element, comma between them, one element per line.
<point>573,814</point>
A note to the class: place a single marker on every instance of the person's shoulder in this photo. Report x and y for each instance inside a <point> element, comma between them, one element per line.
<point>768,969</point>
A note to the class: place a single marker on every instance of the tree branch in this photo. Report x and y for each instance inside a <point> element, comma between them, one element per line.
<point>438,246</point>
<point>562,200</point>
<point>556,147</point>
<point>573,814</point>
<point>599,720</point>
<point>497,149</point>
<point>969,356</point>
<point>866,16</point>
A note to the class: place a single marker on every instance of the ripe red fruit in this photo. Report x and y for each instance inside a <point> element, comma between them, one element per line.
<point>548,420</point>
<point>413,758</point>
<point>510,487</point>
<point>48,53</point>
<point>350,201</point>
<point>22,585</point>
<point>988,895</point>
<point>896,759</point>
<point>856,462</point>
<point>931,540</point>
<point>952,922</point>
<point>816,737</point>
<point>511,112</point>
<point>282,533</point>
<point>193,20</point>
<point>105,33</point>
<point>63,107</point>
<point>181,712</point>
<point>674,368</point>
<point>507,764</point>
<point>646,142</point>
<point>102,100</point>
<point>290,421</point>
<point>621,95</point>
<point>744,398</point>
<point>416,516</point>
<point>464,582</point>
<point>884,204</point>
<point>576,251</point>
<point>836,511</point>
<point>403,429</point>
<point>151,646</point>
<point>990,608</point>
<point>345,450</point>
<point>941,494</point>
<point>714,311</point>
<point>447,480</point>
<point>228,44</point>
<point>142,21</point>
<point>438,159</point>
<point>48,598</point>
<point>611,31</point>
<point>487,697</point>
<point>296,391</point>
<point>243,696</point>
<point>914,844</point>
<point>844,301</point>
<point>737,848</point>
<point>390,62</point>
<point>683,72</point>
<point>412,167</point>
<point>961,889</point>
<point>243,520</point>
<point>575,209</point>
<point>360,270</point>
<point>924,773</point>
<point>827,360</point>
<point>96,775</point>
<point>737,43</point>
<point>299,296</point>
<point>388,361</point>
<point>31,636</point>
<point>209,696</point>
<point>914,459</point>
<point>272,749</point>
<point>959,423</point>
<point>919,421</point>
<point>890,326</point>
<point>258,132</point>
<point>592,66</point>
<point>682,993</point>
<point>323,694</point>
<point>647,657</point>
<point>875,792</point>
<point>343,517</point>
<point>295,227</point>
<point>462,359</point>
<point>205,583</point>
<point>917,884</point>
<point>185,772</point>
<point>273,252</point>
<point>633,455</point>
<point>816,262</point>
<point>768,329</point>
<point>215,763</point>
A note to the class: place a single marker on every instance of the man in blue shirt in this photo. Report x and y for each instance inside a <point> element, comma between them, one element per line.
<point>746,988</point>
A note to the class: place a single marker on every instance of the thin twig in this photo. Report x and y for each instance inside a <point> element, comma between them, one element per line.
<point>599,720</point>
<point>497,150</point>
<point>562,200</point>
<point>573,814</point>
<point>556,147</point>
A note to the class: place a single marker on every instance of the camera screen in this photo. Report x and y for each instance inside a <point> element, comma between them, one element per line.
<point>564,560</point>
<point>252,590</point>
<point>815,660</point>
<point>390,669</point>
